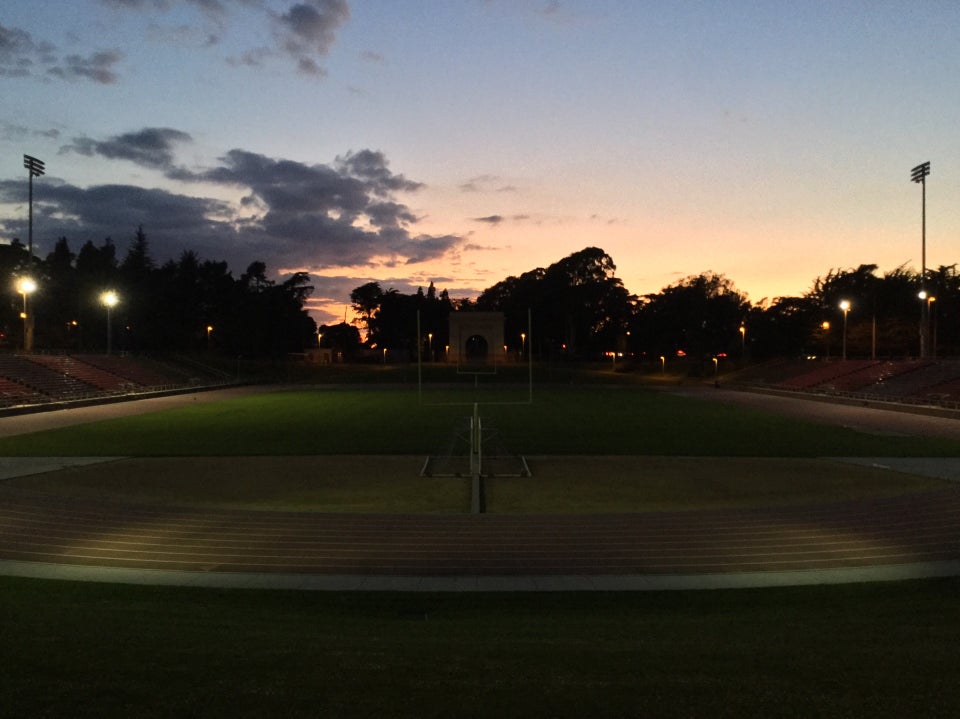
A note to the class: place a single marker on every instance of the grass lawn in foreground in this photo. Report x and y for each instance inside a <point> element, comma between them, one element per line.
<point>596,421</point>
<point>90,650</point>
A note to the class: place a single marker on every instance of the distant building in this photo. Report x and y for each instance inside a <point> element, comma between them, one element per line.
<point>476,339</point>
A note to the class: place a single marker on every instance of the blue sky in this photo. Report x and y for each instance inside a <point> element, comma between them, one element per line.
<point>464,141</point>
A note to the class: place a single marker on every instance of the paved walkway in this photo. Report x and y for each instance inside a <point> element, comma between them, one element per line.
<point>872,540</point>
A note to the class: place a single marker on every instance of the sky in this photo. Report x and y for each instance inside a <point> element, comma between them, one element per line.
<point>463,141</point>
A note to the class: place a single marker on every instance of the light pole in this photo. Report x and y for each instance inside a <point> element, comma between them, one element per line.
<point>430,345</point>
<point>109,299</point>
<point>26,285</point>
<point>845,306</point>
<point>743,341</point>
<point>35,168</point>
<point>926,300</point>
<point>209,332</point>
<point>919,174</point>
<point>523,344</point>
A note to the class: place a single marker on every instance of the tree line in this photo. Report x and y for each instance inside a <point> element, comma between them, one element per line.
<point>181,305</point>
<point>577,306</point>
<point>580,309</point>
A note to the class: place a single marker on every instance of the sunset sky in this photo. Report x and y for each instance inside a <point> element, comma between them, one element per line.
<point>462,141</point>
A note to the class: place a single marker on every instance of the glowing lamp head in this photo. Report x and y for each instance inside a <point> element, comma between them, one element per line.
<point>109,298</point>
<point>26,285</point>
<point>845,305</point>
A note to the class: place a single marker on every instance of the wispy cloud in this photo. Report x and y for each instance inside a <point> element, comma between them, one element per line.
<point>486,183</point>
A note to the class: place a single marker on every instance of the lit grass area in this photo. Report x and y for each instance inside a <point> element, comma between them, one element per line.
<point>581,485</point>
<point>89,650</point>
<point>389,484</point>
<point>601,421</point>
<point>371,484</point>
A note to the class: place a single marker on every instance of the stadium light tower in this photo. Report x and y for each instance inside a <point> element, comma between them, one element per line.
<point>35,168</point>
<point>919,174</point>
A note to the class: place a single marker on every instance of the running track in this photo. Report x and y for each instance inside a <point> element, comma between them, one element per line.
<point>919,534</point>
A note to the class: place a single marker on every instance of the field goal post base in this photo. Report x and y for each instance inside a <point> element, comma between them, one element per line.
<point>475,451</point>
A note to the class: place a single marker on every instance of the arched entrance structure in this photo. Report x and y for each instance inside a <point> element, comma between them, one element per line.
<point>476,338</point>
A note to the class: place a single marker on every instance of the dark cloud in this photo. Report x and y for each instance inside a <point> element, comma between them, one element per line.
<point>372,166</point>
<point>307,30</point>
<point>151,147</point>
<point>175,222</point>
<point>97,66</point>
<point>289,215</point>
<point>22,56</point>
<point>490,219</point>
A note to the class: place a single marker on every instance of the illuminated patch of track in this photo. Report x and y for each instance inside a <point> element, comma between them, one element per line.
<point>922,527</point>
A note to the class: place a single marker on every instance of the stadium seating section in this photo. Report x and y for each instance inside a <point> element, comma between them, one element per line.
<point>45,378</point>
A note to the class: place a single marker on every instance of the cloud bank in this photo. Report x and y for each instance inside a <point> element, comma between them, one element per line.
<point>288,214</point>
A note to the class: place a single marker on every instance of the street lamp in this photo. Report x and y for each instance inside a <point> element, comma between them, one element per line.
<point>523,343</point>
<point>845,306</point>
<point>109,299</point>
<point>919,174</point>
<point>209,332</point>
<point>430,345</point>
<point>927,299</point>
<point>825,326</point>
<point>26,285</point>
<point>743,340</point>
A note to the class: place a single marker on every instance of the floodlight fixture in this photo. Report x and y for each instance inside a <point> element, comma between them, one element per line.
<point>36,167</point>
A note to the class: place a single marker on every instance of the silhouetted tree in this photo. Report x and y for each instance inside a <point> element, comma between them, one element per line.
<point>699,316</point>
<point>577,305</point>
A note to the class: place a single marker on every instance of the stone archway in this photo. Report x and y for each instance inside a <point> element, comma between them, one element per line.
<point>476,338</point>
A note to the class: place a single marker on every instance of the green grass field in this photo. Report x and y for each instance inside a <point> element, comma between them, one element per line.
<point>880,650</point>
<point>87,650</point>
<point>620,420</point>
